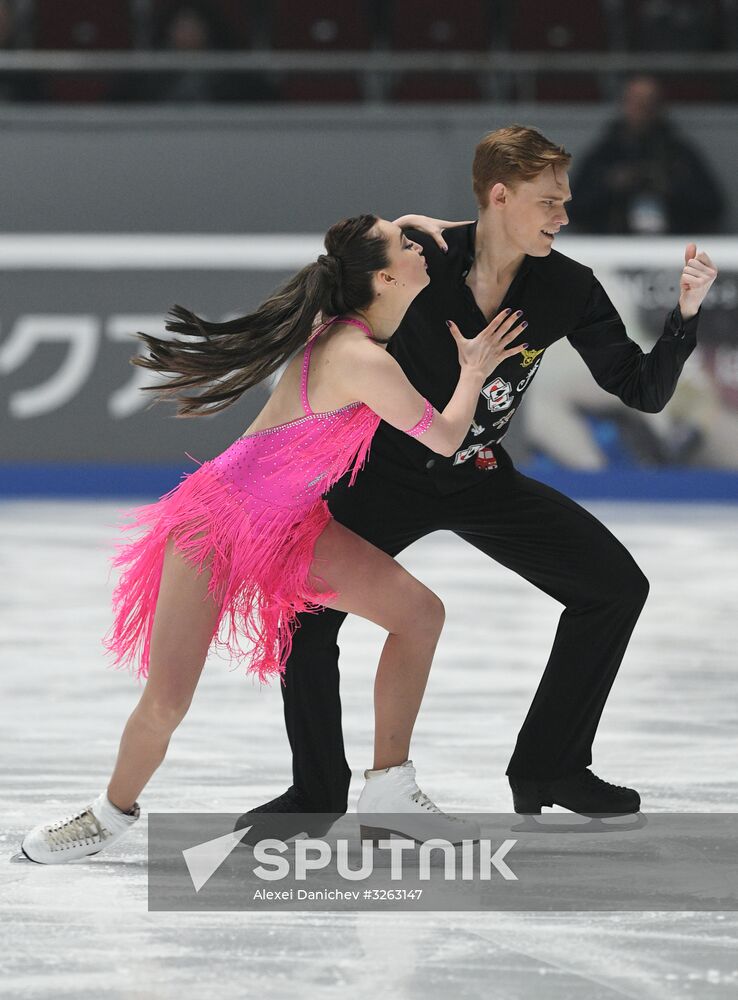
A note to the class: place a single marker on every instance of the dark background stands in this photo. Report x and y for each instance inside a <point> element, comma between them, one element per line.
<point>14,86</point>
<point>642,176</point>
<point>193,27</point>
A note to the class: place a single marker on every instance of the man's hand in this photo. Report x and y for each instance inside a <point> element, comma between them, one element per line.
<point>433,227</point>
<point>697,277</point>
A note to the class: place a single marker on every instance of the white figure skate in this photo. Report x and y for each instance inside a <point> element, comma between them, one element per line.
<point>80,835</point>
<point>393,790</point>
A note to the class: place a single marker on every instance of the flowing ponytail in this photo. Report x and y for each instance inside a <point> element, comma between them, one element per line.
<point>228,358</point>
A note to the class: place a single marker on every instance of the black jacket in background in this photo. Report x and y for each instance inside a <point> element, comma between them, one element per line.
<point>666,164</point>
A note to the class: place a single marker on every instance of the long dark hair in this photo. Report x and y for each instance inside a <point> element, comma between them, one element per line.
<point>229,358</point>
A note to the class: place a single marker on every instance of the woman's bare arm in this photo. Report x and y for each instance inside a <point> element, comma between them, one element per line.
<point>371,375</point>
<point>433,227</point>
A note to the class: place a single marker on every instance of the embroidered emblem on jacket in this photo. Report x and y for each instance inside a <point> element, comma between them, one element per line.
<point>524,381</point>
<point>499,395</point>
<point>466,453</point>
<point>529,356</point>
<point>486,459</point>
<point>484,450</point>
<point>503,420</point>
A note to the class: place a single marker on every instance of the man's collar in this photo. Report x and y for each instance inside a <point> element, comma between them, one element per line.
<point>463,239</point>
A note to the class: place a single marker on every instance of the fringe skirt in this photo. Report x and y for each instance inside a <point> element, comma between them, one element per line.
<point>259,556</point>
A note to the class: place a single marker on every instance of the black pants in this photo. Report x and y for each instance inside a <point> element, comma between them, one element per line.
<point>524,525</point>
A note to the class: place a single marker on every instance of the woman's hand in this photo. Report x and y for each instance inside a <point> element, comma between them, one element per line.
<point>483,353</point>
<point>433,227</point>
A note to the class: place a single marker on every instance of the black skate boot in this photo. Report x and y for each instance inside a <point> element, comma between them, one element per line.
<point>582,793</point>
<point>283,818</point>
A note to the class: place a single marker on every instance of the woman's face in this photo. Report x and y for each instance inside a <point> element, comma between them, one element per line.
<point>406,263</point>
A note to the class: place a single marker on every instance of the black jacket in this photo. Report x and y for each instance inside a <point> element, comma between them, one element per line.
<point>560,298</point>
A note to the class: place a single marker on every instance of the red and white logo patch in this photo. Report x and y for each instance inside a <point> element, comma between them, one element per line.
<point>466,453</point>
<point>499,395</point>
<point>486,459</point>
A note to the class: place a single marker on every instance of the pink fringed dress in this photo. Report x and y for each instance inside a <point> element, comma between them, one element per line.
<point>252,515</point>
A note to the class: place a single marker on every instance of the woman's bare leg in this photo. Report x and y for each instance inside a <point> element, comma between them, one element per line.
<point>369,583</point>
<point>373,585</point>
<point>184,623</point>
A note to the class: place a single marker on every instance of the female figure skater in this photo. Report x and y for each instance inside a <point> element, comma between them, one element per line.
<point>246,541</point>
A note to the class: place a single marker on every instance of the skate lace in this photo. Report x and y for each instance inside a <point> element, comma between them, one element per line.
<point>83,827</point>
<point>427,803</point>
<point>422,799</point>
<point>591,780</point>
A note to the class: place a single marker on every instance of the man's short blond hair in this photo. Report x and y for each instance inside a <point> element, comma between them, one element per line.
<point>513,154</point>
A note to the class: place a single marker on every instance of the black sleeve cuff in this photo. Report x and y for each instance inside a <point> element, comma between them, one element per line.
<point>682,328</point>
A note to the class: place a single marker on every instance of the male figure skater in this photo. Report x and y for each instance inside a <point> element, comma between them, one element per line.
<point>505,259</point>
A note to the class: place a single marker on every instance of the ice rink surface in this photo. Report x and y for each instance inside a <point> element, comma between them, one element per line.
<point>670,729</point>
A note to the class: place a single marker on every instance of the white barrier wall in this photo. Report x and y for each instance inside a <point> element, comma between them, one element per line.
<point>71,304</point>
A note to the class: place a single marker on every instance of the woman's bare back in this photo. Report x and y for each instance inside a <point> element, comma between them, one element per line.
<point>323,387</point>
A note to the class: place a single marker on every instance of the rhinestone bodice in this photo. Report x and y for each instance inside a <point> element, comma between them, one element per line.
<point>293,464</point>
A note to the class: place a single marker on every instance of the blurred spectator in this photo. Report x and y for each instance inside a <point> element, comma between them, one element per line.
<point>194,27</point>
<point>642,177</point>
<point>191,29</point>
<point>675,26</point>
<point>13,86</point>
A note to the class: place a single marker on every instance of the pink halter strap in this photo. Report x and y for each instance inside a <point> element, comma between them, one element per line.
<point>308,350</point>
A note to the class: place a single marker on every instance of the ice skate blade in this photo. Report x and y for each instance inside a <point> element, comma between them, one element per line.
<point>280,826</point>
<point>21,859</point>
<point>578,823</point>
<point>377,833</point>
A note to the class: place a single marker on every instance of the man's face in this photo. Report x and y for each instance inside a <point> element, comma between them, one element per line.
<point>533,211</point>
